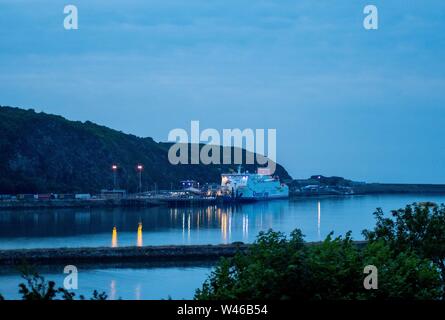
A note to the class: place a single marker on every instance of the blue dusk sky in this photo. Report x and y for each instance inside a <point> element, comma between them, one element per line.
<point>367,105</point>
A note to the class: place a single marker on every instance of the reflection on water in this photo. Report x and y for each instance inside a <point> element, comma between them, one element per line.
<point>137,292</point>
<point>197,225</point>
<point>189,219</point>
<point>135,283</point>
<point>140,243</point>
<point>139,281</point>
<point>114,238</point>
<point>245,227</point>
<point>224,227</point>
<point>113,289</point>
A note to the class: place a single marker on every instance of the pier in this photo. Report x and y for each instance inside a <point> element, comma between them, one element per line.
<point>120,254</point>
<point>128,201</point>
<point>134,254</point>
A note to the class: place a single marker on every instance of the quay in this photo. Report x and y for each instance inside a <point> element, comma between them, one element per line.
<point>129,201</point>
<point>74,203</point>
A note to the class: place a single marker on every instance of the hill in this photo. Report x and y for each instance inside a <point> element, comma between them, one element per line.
<point>48,153</point>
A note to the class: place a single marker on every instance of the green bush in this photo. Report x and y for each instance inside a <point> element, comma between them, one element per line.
<point>417,229</point>
<point>277,268</point>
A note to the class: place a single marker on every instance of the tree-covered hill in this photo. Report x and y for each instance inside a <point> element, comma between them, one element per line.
<point>48,153</point>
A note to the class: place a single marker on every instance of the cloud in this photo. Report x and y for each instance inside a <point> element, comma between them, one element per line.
<point>306,68</point>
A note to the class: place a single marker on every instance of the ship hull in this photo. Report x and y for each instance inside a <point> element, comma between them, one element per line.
<point>254,198</point>
<point>248,187</point>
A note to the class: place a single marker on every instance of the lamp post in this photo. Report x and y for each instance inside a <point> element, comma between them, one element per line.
<point>114,168</point>
<point>140,167</point>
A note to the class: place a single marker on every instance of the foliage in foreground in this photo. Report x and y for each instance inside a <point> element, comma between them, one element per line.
<point>408,254</point>
<point>37,288</point>
<point>418,228</point>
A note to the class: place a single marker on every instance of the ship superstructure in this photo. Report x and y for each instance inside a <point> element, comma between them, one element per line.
<point>252,186</point>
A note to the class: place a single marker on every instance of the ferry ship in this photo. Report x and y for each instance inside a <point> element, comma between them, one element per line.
<point>252,186</point>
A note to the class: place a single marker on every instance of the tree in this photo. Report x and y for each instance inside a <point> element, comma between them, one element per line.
<point>334,270</point>
<point>98,296</point>
<point>402,275</point>
<point>278,268</point>
<point>36,288</point>
<point>418,228</point>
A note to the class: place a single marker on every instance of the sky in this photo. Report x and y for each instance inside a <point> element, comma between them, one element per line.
<point>364,104</point>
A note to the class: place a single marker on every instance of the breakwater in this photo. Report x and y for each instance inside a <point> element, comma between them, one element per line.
<point>122,254</point>
<point>103,255</point>
<point>399,188</point>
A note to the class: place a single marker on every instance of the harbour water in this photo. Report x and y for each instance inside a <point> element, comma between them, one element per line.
<point>139,282</point>
<point>316,217</point>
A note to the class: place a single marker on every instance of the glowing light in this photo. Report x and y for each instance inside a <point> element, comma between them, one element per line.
<point>183,227</point>
<point>140,242</point>
<point>209,216</point>
<point>140,167</point>
<point>245,227</point>
<point>189,222</point>
<point>224,227</point>
<point>114,167</point>
<point>114,238</point>
<point>230,226</point>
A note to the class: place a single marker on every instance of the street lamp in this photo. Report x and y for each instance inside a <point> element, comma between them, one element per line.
<point>140,167</point>
<point>114,168</point>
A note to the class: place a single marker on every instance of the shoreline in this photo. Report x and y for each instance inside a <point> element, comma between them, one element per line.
<point>60,204</point>
<point>147,203</point>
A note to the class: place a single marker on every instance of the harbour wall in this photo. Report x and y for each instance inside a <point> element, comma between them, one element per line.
<point>399,188</point>
<point>126,254</point>
<point>75,203</point>
<point>121,254</point>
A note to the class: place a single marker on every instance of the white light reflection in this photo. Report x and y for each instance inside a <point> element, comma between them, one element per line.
<point>245,227</point>
<point>113,290</point>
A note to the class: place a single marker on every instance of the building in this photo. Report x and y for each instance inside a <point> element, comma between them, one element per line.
<point>113,194</point>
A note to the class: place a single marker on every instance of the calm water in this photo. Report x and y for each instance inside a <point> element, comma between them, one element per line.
<point>316,217</point>
<point>211,225</point>
<point>121,282</point>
